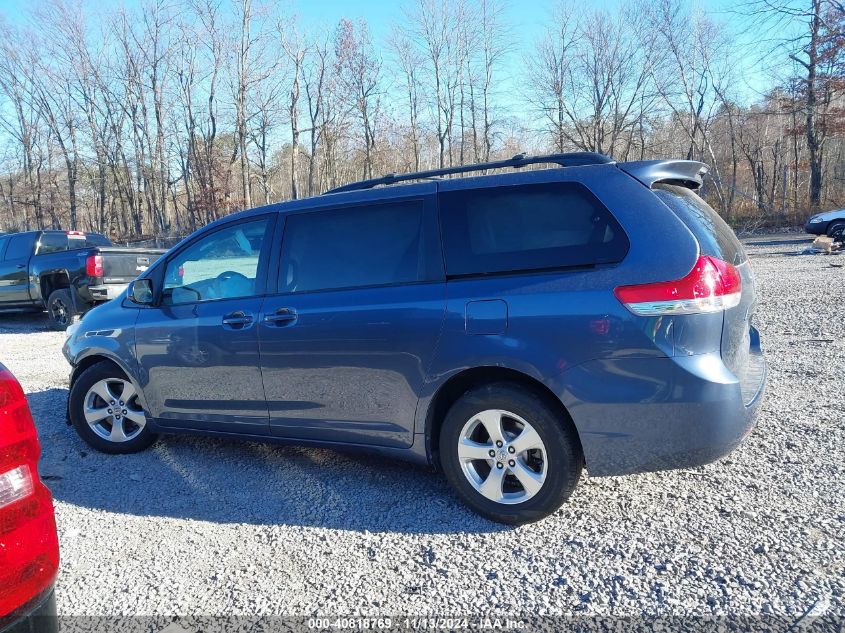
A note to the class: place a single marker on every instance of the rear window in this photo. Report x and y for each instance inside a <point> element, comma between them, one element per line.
<point>92,239</point>
<point>715,237</point>
<point>527,227</point>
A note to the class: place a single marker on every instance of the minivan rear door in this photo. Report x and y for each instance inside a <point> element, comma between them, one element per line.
<point>346,340</point>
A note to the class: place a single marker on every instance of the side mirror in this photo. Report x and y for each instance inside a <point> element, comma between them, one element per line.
<point>141,292</point>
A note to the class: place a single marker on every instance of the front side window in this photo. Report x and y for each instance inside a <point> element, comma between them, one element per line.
<point>20,247</point>
<point>52,243</point>
<point>527,227</point>
<point>378,245</point>
<point>220,265</point>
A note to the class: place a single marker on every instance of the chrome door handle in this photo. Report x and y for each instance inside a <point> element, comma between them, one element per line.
<point>237,319</point>
<point>280,316</point>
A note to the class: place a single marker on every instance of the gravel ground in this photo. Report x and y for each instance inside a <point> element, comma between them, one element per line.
<point>206,527</point>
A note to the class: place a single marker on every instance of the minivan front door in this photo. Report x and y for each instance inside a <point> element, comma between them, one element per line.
<point>347,341</point>
<point>198,349</point>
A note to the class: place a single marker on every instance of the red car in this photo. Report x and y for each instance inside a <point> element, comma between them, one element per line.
<point>29,546</point>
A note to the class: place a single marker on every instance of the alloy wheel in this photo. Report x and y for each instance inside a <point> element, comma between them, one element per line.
<point>502,456</point>
<point>112,411</point>
<point>59,312</point>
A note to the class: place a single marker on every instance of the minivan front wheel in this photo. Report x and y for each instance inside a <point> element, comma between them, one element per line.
<point>508,454</point>
<point>105,411</point>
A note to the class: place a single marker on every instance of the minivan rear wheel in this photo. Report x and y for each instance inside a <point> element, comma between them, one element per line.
<point>508,454</point>
<point>105,411</point>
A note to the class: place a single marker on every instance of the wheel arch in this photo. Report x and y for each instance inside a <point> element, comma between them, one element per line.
<point>54,280</point>
<point>836,223</point>
<point>98,357</point>
<point>458,384</point>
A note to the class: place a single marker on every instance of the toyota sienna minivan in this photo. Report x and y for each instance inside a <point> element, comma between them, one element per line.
<point>510,329</point>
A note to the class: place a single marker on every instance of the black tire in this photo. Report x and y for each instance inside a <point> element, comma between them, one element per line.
<point>79,392</point>
<point>60,309</point>
<point>562,447</point>
<point>836,230</point>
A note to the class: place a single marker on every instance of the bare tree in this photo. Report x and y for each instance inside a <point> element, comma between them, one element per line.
<point>295,52</point>
<point>317,80</point>
<point>160,116</point>
<point>409,60</point>
<point>359,73</point>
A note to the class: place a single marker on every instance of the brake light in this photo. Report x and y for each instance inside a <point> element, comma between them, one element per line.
<point>711,286</point>
<point>94,266</point>
<point>29,548</point>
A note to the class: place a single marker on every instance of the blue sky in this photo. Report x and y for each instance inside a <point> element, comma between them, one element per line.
<point>527,19</point>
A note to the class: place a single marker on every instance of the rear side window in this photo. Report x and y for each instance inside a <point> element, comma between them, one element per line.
<point>715,237</point>
<point>20,247</point>
<point>383,244</point>
<point>527,227</point>
<point>52,243</point>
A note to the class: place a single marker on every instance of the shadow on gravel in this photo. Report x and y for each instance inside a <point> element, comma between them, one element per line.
<point>24,322</point>
<point>250,483</point>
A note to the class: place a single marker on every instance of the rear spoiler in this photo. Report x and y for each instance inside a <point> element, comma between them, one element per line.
<point>687,173</point>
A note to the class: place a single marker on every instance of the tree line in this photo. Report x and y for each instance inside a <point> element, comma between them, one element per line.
<point>156,119</point>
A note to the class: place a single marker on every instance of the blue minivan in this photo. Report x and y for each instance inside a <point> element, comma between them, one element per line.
<point>510,329</point>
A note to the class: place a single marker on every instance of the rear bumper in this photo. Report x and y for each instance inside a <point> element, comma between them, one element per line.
<point>40,616</point>
<point>106,292</point>
<point>644,414</point>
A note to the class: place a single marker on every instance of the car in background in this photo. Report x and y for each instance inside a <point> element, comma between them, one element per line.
<point>29,546</point>
<point>830,223</point>
<point>65,272</point>
<point>509,328</point>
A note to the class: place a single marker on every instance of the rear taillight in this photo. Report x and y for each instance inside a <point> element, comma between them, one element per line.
<point>94,266</point>
<point>712,285</point>
<point>15,484</point>
<point>29,548</point>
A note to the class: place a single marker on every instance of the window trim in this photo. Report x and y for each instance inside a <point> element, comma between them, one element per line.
<point>430,218</point>
<point>260,273</point>
<point>531,270</point>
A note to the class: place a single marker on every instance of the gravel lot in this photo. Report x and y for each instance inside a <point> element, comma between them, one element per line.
<point>206,527</point>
